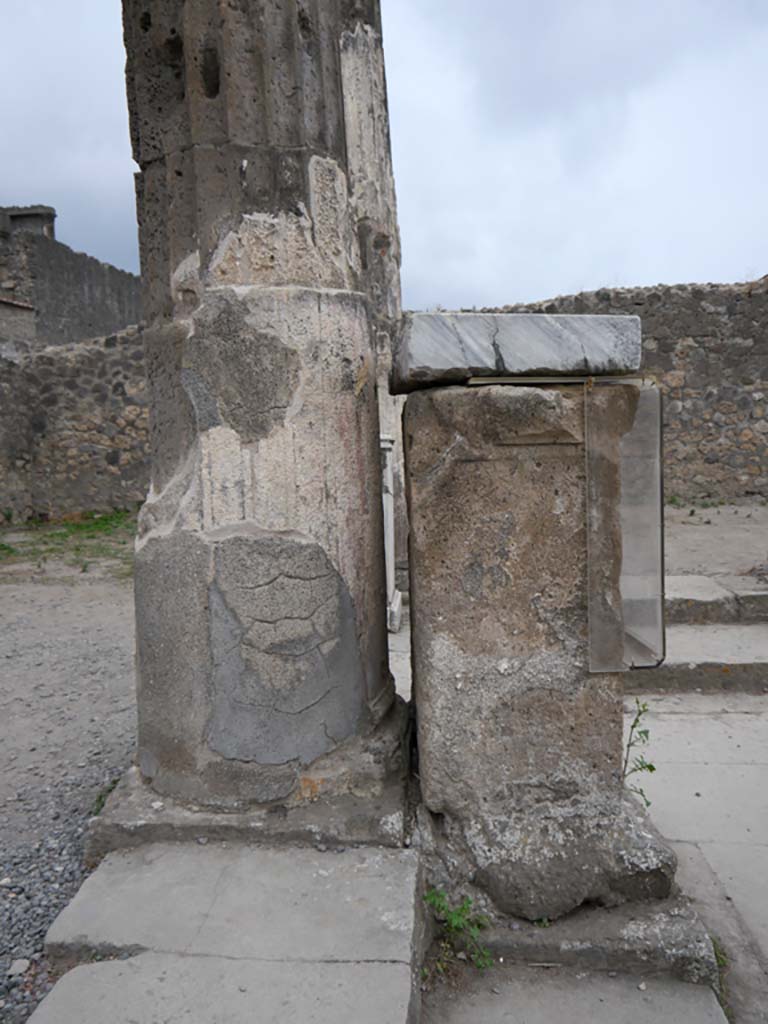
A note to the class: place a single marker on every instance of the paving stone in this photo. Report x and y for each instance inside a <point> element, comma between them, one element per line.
<point>742,869</point>
<point>732,801</point>
<point>746,975</point>
<point>719,738</point>
<point>696,741</point>
<point>540,996</point>
<point>175,989</point>
<point>715,541</point>
<point>246,902</point>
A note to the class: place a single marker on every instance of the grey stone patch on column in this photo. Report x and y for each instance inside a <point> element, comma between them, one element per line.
<point>519,745</point>
<point>283,642</point>
<point>450,348</point>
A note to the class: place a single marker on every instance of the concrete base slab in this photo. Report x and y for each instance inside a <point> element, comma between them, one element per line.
<point>665,937</point>
<point>245,902</point>
<point>179,989</point>
<point>744,976</point>
<point>540,996</point>
<point>711,657</point>
<point>311,936</point>
<point>135,815</point>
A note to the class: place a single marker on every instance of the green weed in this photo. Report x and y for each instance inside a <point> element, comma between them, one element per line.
<point>635,764</point>
<point>461,929</point>
<point>101,797</point>
<point>78,541</point>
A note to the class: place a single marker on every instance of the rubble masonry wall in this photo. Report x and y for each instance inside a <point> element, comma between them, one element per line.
<point>708,345</point>
<point>73,428</point>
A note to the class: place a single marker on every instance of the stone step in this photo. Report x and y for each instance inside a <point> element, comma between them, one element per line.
<point>694,600</point>
<point>239,933</point>
<point>709,657</point>
<point>540,995</point>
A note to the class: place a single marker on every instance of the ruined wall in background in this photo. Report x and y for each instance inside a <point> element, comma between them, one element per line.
<point>73,428</point>
<point>74,296</point>
<point>708,344</point>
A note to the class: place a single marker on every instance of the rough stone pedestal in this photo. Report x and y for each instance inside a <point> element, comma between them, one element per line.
<point>519,745</point>
<point>270,262</point>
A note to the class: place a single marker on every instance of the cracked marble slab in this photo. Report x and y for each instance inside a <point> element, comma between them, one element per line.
<point>450,348</point>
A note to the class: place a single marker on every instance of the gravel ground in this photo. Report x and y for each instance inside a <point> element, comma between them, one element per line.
<point>67,727</point>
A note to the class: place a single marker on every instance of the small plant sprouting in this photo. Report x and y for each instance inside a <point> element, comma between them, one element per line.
<point>101,797</point>
<point>461,927</point>
<point>634,764</point>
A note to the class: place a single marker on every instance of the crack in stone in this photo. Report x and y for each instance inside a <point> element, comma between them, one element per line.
<point>499,359</point>
<point>308,707</point>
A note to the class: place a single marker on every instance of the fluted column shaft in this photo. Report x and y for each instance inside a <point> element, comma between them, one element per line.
<point>270,261</point>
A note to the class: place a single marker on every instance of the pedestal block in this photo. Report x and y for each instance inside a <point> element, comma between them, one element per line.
<point>520,747</point>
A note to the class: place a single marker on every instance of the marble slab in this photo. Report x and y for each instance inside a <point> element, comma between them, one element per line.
<point>450,348</point>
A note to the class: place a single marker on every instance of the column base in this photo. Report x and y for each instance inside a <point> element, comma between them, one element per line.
<point>547,862</point>
<point>134,815</point>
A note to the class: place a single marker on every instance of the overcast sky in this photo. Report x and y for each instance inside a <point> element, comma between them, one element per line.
<point>540,148</point>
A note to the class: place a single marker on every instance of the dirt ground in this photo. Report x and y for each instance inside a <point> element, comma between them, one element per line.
<point>67,731</point>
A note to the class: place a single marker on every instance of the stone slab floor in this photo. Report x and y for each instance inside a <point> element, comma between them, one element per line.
<point>529,995</point>
<point>231,934</point>
<point>709,797</point>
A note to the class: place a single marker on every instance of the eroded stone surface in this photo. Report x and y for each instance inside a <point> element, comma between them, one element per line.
<point>449,348</point>
<point>134,816</point>
<point>519,746</point>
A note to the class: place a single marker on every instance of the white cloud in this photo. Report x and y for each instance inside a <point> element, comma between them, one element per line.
<point>580,144</point>
<point>539,148</point>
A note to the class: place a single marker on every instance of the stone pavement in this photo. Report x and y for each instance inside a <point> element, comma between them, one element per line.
<point>221,933</point>
<point>709,796</point>
<point>716,562</point>
<point>530,995</point>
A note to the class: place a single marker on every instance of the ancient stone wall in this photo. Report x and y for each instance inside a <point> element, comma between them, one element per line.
<point>74,296</point>
<point>708,344</point>
<point>73,428</point>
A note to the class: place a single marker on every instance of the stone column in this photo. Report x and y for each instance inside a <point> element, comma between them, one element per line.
<point>373,198</point>
<point>261,133</point>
